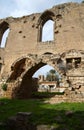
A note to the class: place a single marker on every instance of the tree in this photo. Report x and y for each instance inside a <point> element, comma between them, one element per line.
<point>52,75</point>
<point>83,1</point>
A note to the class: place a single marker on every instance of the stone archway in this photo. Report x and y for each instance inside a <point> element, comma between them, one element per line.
<point>23,70</point>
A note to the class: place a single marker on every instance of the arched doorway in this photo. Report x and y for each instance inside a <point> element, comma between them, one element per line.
<point>22,72</point>
<point>23,69</point>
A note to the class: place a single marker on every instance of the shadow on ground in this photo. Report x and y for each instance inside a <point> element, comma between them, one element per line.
<point>64,116</point>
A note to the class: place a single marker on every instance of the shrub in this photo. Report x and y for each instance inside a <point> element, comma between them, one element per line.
<point>4,86</point>
<point>45,94</point>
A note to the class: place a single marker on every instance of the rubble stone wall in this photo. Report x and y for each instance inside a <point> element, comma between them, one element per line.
<point>24,52</point>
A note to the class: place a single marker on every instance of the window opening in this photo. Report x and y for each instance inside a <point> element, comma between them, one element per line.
<point>47,31</point>
<point>73,61</point>
<point>4,38</point>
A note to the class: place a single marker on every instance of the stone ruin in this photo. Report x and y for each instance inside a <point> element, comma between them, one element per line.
<point>25,52</point>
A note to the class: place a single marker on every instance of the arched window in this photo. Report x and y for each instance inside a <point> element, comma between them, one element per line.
<point>4,38</point>
<point>47,31</point>
<point>4,31</point>
<point>46,27</point>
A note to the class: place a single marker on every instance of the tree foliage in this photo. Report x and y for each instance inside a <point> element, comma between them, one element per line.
<point>52,75</point>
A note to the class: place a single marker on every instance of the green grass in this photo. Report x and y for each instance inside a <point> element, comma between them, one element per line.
<point>44,113</point>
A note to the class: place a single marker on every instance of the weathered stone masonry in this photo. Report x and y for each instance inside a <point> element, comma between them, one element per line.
<point>25,52</point>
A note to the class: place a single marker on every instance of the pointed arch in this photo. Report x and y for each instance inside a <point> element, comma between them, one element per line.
<point>44,18</point>
<point>4,31</point>
<point>48,31</point>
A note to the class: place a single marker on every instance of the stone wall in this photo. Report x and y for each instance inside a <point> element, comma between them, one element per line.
<point>24,52</point>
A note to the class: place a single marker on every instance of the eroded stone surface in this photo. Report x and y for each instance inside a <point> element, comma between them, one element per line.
<point>25,52</point>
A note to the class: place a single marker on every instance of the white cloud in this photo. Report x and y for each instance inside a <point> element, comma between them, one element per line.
<point>25,7</point>
<point>18,13</point>
<point>19,8</point>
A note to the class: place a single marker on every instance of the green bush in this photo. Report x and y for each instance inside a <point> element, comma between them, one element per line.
<point>4,86</point>
<point>45,94</point>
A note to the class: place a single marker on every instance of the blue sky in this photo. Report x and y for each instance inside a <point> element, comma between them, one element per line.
<point>18,8</point>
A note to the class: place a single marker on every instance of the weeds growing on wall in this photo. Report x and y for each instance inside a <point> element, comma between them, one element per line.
<point>4,87</point>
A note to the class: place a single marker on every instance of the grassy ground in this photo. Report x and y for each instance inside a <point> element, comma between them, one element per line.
<point>44,113</point>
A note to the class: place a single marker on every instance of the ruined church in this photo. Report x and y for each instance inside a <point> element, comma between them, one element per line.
<point>25,51</point>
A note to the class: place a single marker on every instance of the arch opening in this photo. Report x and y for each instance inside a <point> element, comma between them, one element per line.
<point>25,67</point>
<point>26,86</point>
<point>48,31</point>
<point>48,79</point>
<point>4,32</point>
<point>4,38</point>
<point>17,69</point>
<point>27,83</point>
<point>46,25</point>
